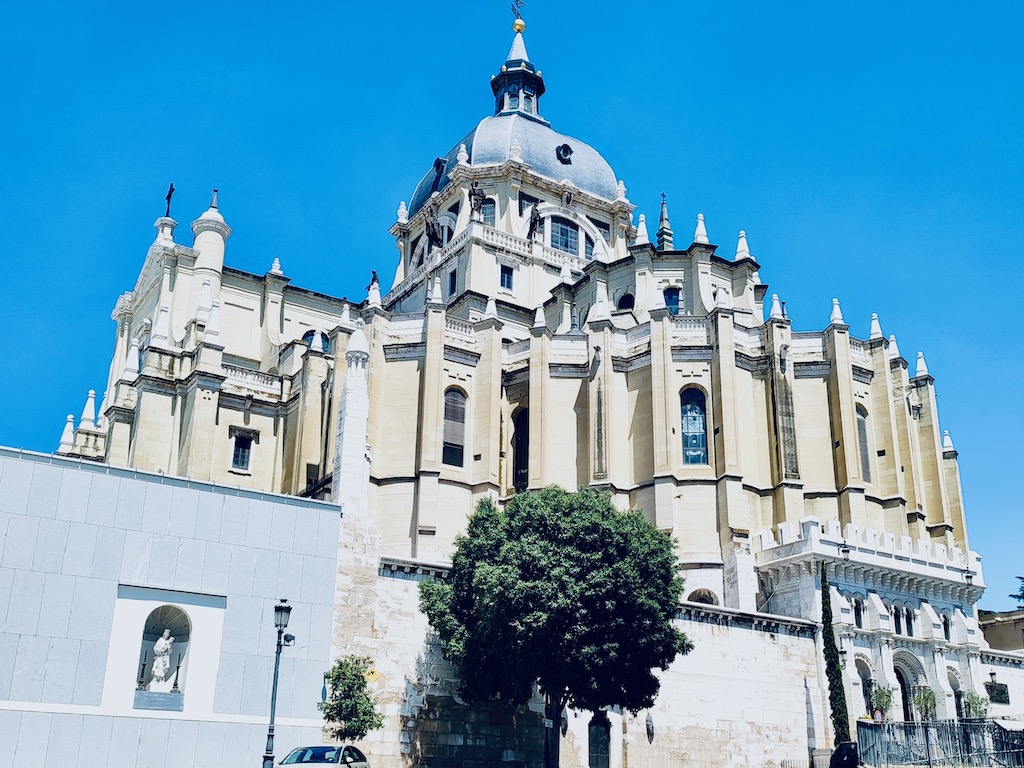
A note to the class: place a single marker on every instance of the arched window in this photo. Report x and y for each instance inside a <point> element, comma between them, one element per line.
<point>862,443</point>
<point>521,450</point>
<point>910,622</point>
<point>897,620</point>
<point>162,657</point>
<point>672,300</point>
<point>858,612</point>
<point>703,596</point>
<point>946,632</point>
<point>453,450</point>
<point>488,212</point>
<point>565,236</point>
<point>694,426</point>
<point>626,301</point>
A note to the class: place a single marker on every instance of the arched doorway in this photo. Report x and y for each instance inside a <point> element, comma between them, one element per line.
<point>600,733</point>
<point>958,694</point>
<point>521,450</point>
<point>904,685</point>
<point>867,682</point>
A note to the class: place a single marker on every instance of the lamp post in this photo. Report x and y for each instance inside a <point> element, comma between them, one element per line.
<point>281,612</point>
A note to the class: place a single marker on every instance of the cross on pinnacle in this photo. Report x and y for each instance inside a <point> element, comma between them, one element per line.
<point>516,5</point>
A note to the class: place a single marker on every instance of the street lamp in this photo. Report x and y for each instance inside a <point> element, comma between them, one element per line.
<point>281,613</point>
<point>844,550</point>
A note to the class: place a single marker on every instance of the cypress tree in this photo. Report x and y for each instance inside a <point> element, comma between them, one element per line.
<point>833,670</point>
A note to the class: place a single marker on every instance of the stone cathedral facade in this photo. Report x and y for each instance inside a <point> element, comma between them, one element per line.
<point>537,333</point>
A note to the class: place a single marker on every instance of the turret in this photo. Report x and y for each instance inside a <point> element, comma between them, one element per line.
<point>211,232</point>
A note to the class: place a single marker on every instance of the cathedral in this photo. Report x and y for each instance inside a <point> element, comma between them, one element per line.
<point>258,440</point>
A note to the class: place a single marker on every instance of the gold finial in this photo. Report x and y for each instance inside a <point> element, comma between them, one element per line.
<point>518,25</point>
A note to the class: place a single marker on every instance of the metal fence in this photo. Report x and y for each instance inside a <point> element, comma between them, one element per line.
<point>950,743</point>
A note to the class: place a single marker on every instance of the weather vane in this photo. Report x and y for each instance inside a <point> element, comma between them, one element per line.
<point>516,5</point>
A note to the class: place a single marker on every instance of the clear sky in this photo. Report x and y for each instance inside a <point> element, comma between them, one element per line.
<point>872,151</point>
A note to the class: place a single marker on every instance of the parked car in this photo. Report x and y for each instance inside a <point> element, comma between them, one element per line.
<point>326,755</point>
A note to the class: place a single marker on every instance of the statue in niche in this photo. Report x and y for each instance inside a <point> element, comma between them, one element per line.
<point>433,229</point>
<point>162,657</point>
<point>476,201</point>
<point>534,223</point>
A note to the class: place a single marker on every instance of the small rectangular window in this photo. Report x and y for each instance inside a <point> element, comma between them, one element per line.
<point>242,452</point>
<point>506,277</point>
<point>513,101</point>
<point>452,283</point>
<point>488,212</point>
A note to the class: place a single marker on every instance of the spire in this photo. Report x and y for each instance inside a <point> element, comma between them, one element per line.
<point>517,53</point>
<point>922,366</point>
<point>700,234</point>
<point>491,310</point>
<point>894,350</point>
<point>947,441</point>
<point>620,191</point>
<point>876,327</point>
<point>664,229</point>
<point>742,249</point>
<point>776,313</point>
<point>89,411</point>
<point>275,267</point>
<point>67,437</point>
<point>518,86</point>
<point>642,238</point>
<point>836,318</point>
<point>566,274</point>
<point>539,320</point>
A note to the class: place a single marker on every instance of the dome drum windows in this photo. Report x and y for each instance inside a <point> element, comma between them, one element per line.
<point>565,236</point>
<point>454,439</point>
<point>693,416</point>
<point>488,212</point>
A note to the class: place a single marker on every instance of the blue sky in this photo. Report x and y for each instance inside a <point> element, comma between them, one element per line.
<point>872,151</point>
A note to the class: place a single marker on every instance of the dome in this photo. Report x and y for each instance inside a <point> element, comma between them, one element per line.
<point>517,89</point>
<point>490,143</point>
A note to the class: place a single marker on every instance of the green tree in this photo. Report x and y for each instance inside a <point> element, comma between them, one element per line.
<point>975,704</point>
<point>1020,592</point>
<point>563,591</point>
<point>833,669</point>
<point>349,710</point>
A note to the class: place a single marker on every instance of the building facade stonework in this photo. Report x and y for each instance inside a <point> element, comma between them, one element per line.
<point>534,333</point>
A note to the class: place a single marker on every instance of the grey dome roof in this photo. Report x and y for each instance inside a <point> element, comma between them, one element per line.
<point>491,143</point>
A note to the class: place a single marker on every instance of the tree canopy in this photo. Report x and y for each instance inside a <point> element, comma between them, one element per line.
<point>349,710</point>
<point>1020,592</point>
<point>564,591</point>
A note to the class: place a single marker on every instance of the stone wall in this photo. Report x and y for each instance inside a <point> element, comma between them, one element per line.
<point>749,694</point>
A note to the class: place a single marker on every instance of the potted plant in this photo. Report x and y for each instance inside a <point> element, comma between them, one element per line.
<point>923,700</point>
<point>881,698</point>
